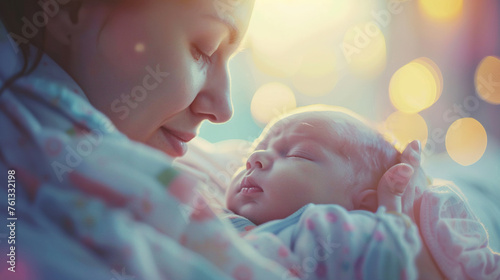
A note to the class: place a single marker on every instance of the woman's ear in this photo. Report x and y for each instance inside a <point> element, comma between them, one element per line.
<point>63,25</point>
<point>366,200</point>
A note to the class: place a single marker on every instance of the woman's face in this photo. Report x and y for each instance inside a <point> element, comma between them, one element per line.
<point>158,68</point>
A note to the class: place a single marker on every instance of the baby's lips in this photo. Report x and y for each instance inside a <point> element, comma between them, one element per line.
<point>250,190</point>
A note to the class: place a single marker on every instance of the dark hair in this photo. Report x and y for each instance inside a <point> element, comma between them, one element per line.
<point>11,14</point>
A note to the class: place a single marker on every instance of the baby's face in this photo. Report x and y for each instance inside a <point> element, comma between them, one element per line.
<point>293,165</point>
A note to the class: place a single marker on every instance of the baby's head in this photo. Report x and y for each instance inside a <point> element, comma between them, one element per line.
<point>318,154</point>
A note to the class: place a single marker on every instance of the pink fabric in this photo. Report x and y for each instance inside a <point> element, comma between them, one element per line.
<point>455,237</point>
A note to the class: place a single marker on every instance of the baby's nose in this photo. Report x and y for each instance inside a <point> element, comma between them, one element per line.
<point>258,160</point>
<point>255,164</point>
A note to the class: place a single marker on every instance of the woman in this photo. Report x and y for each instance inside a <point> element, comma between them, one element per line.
<point>102,77</point>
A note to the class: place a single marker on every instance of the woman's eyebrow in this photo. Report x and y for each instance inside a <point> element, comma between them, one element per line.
<point>234,32</point>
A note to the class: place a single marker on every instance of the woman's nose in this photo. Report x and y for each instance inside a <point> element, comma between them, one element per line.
<point>213,102</point>
<point>258,160</point>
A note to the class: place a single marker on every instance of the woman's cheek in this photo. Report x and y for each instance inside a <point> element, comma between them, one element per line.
<point>185,82</point>
<point>177,90</point>
<point>124,44</point>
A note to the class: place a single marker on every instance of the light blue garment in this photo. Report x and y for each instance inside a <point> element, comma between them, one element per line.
<point>328,242</point>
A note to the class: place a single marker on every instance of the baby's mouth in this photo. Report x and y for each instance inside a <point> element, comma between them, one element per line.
<point>248,186</point>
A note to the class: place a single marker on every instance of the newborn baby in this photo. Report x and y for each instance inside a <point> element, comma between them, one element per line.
<point>325,155</point>
<point>321,157</point>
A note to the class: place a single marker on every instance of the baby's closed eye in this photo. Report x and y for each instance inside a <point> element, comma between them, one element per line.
<point>304,152</point>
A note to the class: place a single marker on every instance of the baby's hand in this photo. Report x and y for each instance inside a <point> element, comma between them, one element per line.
<point>392,186</point>
<point>406,181</point>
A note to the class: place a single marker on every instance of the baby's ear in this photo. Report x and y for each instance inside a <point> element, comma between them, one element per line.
<point>366,200</point>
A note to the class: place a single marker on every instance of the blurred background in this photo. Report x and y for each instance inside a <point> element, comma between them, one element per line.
<point>424,69</point>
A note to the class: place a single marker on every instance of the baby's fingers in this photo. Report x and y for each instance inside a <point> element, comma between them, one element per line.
<point>392,185</point>
<point>412,154</point>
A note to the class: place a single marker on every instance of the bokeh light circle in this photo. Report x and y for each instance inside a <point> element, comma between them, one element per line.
<point>140,47</point>
<point>433,68</point>
<point>270,101</point>
<point>415,87</point>
<point>466,141</point>
<point>442,9</point>
<point>487,80</point>
<point>405,128</point>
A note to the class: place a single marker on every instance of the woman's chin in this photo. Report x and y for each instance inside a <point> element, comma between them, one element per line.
<point>172,152</point>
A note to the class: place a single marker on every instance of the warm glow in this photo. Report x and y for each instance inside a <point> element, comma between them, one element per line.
<point>317,75</point>
<point>414,87</point>
<point>406,128</point>
<point>280,31</point>
<point>139,47</point>
<point>270,101</point>
<point>488,80</point>
<point>278,60</point>
<point>364,48</point>
<point>466,141</point>
<point>442,9</point>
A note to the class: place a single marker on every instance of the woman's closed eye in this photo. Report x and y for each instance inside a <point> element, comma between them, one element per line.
<point>199,56</point>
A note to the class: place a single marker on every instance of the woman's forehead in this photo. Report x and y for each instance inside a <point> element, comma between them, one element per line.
<point>233,13</point>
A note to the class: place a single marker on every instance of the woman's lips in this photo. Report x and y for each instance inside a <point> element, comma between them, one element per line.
<point>183,136</point>
<point>177,141</point>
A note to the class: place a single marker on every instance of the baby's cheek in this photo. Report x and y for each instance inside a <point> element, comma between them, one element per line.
<point>230,198</point>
